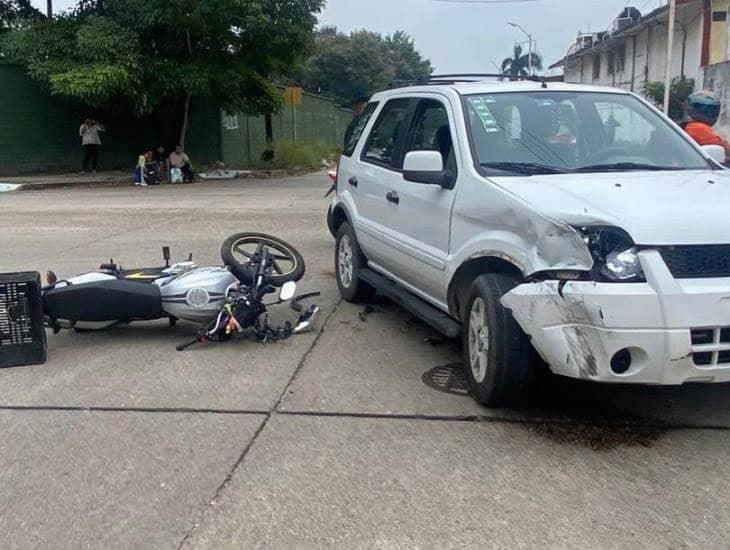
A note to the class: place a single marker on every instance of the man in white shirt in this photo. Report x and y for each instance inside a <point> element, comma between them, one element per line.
<point>180,160</point>
<point>91,143</point>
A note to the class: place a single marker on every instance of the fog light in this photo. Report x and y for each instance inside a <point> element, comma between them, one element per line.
<point>621,361</point>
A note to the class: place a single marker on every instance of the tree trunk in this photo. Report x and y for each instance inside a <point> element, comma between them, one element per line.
<point>269,130</point>
<point>186,116</point>
<point>186,112</point>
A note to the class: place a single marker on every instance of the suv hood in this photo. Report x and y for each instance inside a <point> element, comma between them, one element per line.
<point>656,208</point>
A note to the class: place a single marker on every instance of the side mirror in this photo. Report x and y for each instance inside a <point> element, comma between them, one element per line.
<point>288,290</point>
<point>427,167</point>
<point>716,152</point>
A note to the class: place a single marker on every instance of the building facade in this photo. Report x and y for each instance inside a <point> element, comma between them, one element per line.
<point>634,51</point>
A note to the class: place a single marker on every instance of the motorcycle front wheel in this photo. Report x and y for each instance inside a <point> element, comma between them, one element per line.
<point>239,253</point>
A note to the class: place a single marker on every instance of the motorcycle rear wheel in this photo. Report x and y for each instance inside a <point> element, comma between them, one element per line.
<point>238,250</point>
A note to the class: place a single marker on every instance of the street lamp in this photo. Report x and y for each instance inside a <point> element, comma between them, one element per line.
<point>529,39</point>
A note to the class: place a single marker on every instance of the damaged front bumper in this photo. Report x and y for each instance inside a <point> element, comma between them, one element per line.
<point>665,331</point>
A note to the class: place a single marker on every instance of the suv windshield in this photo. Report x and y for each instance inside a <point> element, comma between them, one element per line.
<point>558,132</point>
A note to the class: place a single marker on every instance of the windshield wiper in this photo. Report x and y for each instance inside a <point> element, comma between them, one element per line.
<point>527,168</point>
<point>624,166</point>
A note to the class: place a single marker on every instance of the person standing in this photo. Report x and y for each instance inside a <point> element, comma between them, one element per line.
<point>91,143</point>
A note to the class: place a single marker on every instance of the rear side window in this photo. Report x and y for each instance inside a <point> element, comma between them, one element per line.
<point>381,145</point>
<point>356,128</point>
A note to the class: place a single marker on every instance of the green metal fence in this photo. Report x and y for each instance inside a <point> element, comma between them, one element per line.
<point>39,132</point>
<point>315,120</point>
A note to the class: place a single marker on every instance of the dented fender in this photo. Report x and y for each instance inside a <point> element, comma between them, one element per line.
<point>500,224</point>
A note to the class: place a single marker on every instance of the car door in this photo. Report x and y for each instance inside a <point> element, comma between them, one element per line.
<point>377,172</point>
<point>420,220</point>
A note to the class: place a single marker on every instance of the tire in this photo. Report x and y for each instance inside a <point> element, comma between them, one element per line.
<point>246,275</point>
<point>349,260</point>
<point>502,374</point>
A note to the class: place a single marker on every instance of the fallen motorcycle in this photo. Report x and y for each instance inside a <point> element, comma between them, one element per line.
<point>225,300</point>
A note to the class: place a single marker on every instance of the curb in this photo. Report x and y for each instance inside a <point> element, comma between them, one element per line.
<point>126,182</point>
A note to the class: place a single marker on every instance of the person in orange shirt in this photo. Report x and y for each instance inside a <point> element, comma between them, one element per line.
<point>704,110</point>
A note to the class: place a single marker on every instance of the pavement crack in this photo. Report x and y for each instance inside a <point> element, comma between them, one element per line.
<point>164,410</point>
<point>222,486</point>
<point>268,415</point>
<point>304,358</point>
<point>535,420</point>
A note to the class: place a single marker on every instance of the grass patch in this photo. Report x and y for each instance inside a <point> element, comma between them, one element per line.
<point>293,155</point>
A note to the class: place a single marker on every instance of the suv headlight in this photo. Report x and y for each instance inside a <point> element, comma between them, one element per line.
<point>623,265</point>
<point>615,255</point>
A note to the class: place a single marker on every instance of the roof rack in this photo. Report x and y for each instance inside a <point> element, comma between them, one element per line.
<point>437,79</point>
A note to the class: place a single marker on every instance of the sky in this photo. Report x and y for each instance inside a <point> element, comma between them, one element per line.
<point>470,36</point>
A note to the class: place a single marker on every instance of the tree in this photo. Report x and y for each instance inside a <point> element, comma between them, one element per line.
<point>680,89</point>
<point>357,65</point>
<point>143,55</point>
<point>15,12</point>
<point>519,63</point>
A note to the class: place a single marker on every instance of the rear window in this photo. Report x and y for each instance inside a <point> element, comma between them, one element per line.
<point>356,128</point>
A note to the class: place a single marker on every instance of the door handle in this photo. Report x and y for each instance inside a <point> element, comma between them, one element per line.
<point>393,197</point>
<point>352,181</point>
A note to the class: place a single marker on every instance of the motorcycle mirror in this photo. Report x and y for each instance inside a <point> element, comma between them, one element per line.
<point>166,255</point>
<point>288,290</point>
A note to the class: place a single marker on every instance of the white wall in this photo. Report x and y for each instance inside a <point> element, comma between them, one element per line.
<point>651,60</point>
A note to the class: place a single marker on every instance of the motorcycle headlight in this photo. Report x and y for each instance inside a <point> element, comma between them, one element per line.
<point>615,255</point>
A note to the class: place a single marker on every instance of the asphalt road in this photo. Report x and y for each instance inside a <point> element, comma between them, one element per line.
<point>359,435</point>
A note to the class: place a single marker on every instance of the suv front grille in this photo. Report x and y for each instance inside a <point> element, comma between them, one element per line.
<point>711,346</point>
<point>697,262</point>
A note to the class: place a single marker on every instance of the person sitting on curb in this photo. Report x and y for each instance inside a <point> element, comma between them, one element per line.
<point>161,160</point>
<point>703,108</point>
<point>180,161</point>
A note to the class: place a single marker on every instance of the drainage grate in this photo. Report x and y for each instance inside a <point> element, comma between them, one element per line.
<point>447,379</point>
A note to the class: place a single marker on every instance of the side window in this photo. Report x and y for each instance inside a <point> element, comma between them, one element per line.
<point>383,139</point>
<point>356,128</point>
<point>430,130</point>
<point>431,122</point>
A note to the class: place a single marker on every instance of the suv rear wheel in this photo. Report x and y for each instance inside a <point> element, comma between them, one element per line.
<point>497,353</point>
<point>349,261</point>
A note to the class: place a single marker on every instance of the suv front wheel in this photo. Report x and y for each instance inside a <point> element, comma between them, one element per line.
<point>349,261</point>
<point>497,353</point>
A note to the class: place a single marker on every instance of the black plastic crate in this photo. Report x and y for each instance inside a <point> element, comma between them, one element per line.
<point>22,335</point>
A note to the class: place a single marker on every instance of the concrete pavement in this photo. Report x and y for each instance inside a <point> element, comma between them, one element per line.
<point>326,440</point>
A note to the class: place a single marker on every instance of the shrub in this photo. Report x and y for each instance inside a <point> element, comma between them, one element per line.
<point>290,154</point>
<point>680,90</point>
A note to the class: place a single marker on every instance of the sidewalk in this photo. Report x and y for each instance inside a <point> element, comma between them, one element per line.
<point>44,181</point>
<point>121,178</point>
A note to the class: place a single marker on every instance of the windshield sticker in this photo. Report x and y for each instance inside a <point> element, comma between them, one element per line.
<point>481,108</point>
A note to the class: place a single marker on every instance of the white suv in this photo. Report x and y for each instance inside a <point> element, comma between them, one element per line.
<point>576,220</point>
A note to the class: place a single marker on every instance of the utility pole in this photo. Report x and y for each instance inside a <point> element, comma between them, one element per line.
<point>670,48</point>
<point>49,8</point>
